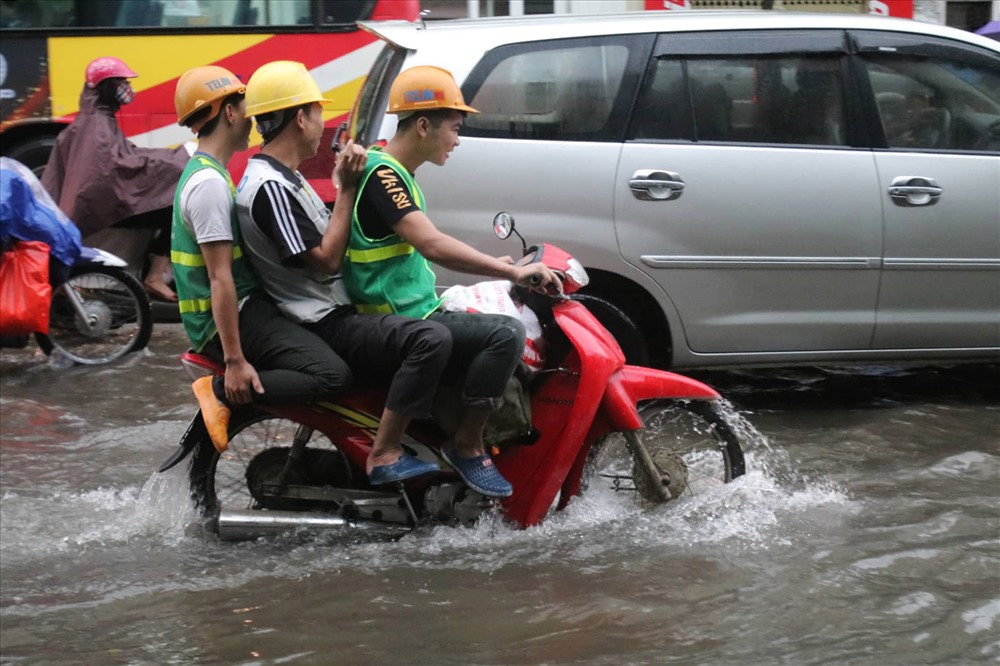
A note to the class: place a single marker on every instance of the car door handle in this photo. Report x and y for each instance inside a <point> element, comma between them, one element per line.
<point>656,185</point>
<point>915,191</point>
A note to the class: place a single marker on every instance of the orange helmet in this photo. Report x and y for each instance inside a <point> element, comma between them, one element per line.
<point>424,88</point>
<point>202,86</point>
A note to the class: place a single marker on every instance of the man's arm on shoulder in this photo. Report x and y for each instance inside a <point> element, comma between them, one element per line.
<point>328,256</point>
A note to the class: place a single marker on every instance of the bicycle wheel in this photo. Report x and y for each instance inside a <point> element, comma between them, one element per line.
<point>118,316</point>
<point>258,448</point>
<point>691,446</point>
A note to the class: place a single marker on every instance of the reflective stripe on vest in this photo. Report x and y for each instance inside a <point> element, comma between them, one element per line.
<point>379,253</point>
<point>197,260</point>
<point>194,305</point>
<point>384,308</point>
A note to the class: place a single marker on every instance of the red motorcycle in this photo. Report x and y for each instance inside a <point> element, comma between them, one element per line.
<point>655,433</point>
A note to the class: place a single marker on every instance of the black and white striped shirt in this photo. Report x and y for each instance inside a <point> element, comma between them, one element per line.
<point>280,216</point>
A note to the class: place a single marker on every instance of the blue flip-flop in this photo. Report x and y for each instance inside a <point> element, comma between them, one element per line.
<point>407,467</point>
<point>479,473</point>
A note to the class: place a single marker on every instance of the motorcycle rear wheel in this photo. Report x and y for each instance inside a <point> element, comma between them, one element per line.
<point>120,318</point>
<point>691,445</point>
<point>220,480</point>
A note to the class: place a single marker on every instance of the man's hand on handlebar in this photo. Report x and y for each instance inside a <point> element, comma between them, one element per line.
<point>538,277</point>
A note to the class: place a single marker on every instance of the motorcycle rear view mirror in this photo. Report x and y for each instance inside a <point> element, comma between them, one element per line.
<point>503,227</point>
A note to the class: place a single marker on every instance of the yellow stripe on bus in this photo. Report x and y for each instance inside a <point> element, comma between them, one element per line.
<point>155,58</point>
<point>343,97</point>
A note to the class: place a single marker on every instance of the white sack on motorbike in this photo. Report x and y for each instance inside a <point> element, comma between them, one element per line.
<point>495,298</point>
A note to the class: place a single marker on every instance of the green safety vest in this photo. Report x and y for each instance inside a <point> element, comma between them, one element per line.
<point>387,275</point>
<point>194,290</point>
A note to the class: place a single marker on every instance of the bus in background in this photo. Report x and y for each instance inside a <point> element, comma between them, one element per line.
<point>46,44</point>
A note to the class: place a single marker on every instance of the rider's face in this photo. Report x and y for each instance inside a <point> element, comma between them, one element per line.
<point>123,91</point>
<point>312,128</point>
<point>443,139</point>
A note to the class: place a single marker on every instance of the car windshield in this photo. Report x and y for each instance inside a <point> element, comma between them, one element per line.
<point>373,100</point>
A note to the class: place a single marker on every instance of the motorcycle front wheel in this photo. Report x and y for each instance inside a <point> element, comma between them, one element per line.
<point>114,316</point>
<point>258,446</point>
<point>691,446</point>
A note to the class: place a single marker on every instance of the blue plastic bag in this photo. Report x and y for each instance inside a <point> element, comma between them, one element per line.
<point>28,213</point>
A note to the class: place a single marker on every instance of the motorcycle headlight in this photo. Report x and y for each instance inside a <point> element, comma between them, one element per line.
<point>576,274</point>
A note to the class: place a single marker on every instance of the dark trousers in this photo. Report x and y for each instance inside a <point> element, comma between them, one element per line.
<point>294,365</point>
<point>409,354</point>
<point>486,349</point>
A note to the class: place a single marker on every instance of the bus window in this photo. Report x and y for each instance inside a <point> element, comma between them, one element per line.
<point>22,14</point>
<point>341,12</point>
<point>19,14</point>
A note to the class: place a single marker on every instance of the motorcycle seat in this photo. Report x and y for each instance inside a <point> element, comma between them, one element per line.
<point>197,365</point>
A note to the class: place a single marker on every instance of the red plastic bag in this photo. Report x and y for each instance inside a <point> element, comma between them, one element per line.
<point>25,292</point>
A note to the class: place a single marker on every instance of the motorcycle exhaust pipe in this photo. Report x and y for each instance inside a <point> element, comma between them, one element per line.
<point>244,525</point>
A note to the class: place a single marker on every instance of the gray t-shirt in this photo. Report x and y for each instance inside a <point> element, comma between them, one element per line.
<point>207,206</point>
<point>207,209</point>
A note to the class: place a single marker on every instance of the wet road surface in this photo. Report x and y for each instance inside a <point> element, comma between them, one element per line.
<point>867,531</point>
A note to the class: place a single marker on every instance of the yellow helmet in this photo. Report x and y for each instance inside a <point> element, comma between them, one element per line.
<point>282,84</point>
<point>202,86</point>
<point>423,88</point>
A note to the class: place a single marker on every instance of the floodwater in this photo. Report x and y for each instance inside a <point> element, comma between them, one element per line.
<point>867,531</point>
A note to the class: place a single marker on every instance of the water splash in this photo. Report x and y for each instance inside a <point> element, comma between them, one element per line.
<point>753,513</point>
<point>65,522</point>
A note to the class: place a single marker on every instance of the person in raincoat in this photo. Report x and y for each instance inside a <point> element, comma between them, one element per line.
<point>101,179</point>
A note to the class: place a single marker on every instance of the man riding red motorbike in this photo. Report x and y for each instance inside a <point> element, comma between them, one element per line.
<point>662,435</point>
<point>305,465</point>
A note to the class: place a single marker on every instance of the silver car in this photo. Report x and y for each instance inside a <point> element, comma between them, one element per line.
<point>743,188</point>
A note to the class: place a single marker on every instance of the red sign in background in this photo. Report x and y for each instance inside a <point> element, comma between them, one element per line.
<point>901,8</point>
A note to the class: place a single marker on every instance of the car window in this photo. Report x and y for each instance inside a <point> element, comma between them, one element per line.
<point>936,103</point>
<point>566,90</point>
<point>745,99</point>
